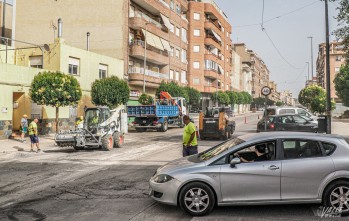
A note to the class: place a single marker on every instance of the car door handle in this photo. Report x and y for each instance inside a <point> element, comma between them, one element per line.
<point>273,167</point>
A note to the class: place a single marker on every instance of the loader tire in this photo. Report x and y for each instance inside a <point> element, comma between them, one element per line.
<point>78,148</point>
<point>118,140</point>
<point>107,142</point>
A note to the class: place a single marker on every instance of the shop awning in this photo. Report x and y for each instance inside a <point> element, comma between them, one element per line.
<point>216,35</point>
<point>166,21</point>
<point>166,44</point>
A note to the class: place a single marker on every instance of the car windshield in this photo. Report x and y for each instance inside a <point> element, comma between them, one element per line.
<point>215,151</point>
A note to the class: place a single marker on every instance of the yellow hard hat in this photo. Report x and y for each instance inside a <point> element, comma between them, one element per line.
<point>24,115</point>
<point>81,117</point>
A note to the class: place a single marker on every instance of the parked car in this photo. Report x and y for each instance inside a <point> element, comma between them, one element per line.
<point>258,169</point>
<point>288,110</point>
<point>287,122</point>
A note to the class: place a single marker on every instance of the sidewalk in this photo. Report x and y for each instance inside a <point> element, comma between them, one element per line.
<point>340,127</point>
<point>12,145</point>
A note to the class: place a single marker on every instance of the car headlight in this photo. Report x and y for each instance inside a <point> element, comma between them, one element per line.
<point>162,178</point>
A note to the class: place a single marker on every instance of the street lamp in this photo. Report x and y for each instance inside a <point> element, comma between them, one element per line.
<point>312,62</point>
<point>308,71</point>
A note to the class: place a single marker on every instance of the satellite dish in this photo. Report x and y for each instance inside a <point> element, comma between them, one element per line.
<point>46,47</point>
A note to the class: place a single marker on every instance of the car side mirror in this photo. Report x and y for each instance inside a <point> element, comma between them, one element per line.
<point>234,161</point>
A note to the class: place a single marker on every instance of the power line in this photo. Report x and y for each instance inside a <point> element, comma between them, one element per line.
<point>277,17</point>
<point>277,50</point>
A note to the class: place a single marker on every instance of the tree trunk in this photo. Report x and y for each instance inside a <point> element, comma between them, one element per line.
<point>57,115</point>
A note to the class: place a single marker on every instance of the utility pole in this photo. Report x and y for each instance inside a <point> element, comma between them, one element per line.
<point>312,61</point>
<point>308,71</point>
<point>3,19</point>
<point>328,77</point>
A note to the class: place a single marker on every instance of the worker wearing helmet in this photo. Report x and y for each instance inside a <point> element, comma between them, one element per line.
<point>80,122</point>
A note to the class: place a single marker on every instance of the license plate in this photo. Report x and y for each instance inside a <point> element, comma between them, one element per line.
<point>144,121</point>
<point>210,122</point>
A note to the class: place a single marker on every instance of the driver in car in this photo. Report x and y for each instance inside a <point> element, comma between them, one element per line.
<point>261,154</point>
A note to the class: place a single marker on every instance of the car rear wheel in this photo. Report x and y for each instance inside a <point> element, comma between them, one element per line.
<point>336,196</point>
<point>197,199</point>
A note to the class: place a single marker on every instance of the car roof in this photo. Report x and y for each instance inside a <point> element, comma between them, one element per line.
<point>280,115</point>
<point>288,134</point>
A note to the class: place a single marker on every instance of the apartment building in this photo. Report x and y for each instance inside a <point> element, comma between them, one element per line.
<point>336,61</point>
<point>149,35</point>
<point>275,95</point>
<point>210,48</point>
<point>260,71</point>
<point>158,43</point>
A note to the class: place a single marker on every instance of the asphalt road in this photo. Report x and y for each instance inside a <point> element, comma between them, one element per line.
<point>63,184</point>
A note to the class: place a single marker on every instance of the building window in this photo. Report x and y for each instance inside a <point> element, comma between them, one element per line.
<point>227,34</point>
<point>172,5</point>
<point>196,32</point>
<point>184,77</point>
<point>196,48</point>
<point>177,76</point>
<point>177,31</point>
<point>223,29</point>
<point>74,64</point>
<point>196,81</point>
<point>184,56</point>
<point>171,74</point>
<point>103,71</point>
<point>132,11</point>
<point>227,47</point>
<point>184,35</point>
<point>196,16</point>
<point>337,69</point>
<point>338,58</point>
<point>177,53</point>
<point>178,9</point>
<point>35,61</point>
<point>172,28</point>
<point>172,51</point>
<point>196,64</point>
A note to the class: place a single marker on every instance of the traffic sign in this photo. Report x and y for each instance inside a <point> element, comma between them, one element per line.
<point>266,90</point>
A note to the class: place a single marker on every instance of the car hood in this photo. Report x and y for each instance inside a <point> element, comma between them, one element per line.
<point>178,164</point>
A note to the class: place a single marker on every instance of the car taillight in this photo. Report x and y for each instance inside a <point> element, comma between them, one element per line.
<point>155,122</point>
<point>271,126</point>
<point>134,122</point>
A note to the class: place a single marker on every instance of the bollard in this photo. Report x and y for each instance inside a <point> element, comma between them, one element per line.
<point>258,116</point>
<point>245,120</point>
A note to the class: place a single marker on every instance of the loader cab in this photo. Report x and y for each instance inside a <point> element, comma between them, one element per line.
<point>94,117</point>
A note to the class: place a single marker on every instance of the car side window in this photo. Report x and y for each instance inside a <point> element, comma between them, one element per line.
<point>328,148</point>
<point>299,120</point>
<point>295,149</point>
<point>257,152</point>
<point>286,120</point>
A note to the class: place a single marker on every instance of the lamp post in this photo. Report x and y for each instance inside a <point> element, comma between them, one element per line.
<point>328,77</point>
<point>312,62</point>
<point>145,54</point>
<point>308,71</point>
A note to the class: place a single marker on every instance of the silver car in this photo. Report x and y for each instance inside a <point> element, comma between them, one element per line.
<point>265,168</point>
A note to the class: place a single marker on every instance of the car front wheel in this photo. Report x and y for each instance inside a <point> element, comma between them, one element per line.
<point>197,199</point>
<point>336,196</point>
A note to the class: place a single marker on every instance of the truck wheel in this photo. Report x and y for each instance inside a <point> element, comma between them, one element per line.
<point>226,135</point>
<point>118,140</point>
<point>164,126</point>
<point>107,142</point>
<point>141,129</point>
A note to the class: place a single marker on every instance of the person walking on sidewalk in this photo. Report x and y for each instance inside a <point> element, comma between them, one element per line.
<point>33,134</point>
<point>190,143</point>
<point>24,127</point>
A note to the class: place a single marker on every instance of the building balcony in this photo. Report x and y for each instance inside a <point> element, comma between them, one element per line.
<point>209,24</point>
<point>153,55</point>
<point>209,40</point>
<point>212,74</point>
<point>210,89</point>
<point>154,6</point>
<point>151,25</point>
<point>152,78</point>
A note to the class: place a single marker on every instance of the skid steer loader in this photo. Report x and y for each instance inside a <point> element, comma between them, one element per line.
<point>101,128</point>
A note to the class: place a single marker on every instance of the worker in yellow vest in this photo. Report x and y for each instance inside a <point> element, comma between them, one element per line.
<point>80,122</point>
<point>33,134</point>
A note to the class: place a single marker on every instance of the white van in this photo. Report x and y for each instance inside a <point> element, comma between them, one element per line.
<point>289,110</point>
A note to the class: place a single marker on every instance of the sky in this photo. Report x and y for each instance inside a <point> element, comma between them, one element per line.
<point>297,20</point>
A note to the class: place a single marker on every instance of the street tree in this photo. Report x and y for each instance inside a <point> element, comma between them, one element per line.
<point>110,92</point>
<point>221,97</point>
<point>193,96</point>
<point>341,83</point>
<point>314,98</point>
<point>55,89</point>
<point>279,103</point>
<point>232,97</point>
<point>173,89</point>
<point>145,99</point>
<point>343,31</point>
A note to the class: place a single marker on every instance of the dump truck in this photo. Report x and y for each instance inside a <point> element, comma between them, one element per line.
<point>162,114</point>
<point>216,122</point>
<point>101,129</point>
